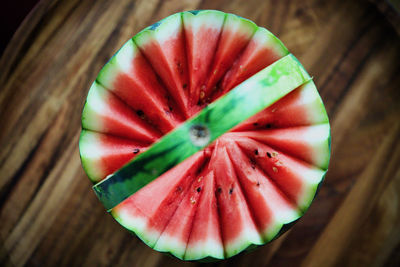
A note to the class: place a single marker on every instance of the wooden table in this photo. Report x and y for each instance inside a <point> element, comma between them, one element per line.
<point>49,215</point>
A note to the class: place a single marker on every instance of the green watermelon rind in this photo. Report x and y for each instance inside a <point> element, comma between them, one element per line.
<point>276,81</point>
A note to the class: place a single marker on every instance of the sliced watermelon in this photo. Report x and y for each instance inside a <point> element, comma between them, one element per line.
<point>309,143</point>
<point>163,44</point>
<point>104,112</point>
<point>270,207</point>
<point>103,154</point>
<point>297,179</point>
<point>243,189</point>
<point>132,79</point>
<point>238,228</point>
<point>263,50</point>
<point>205,239</point>
<point>201,28</point>
<point>235,36</point>
<point>148,212</point>
<point>299,108</point>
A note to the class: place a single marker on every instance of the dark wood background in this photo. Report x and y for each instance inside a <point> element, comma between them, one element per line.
<point>49,215</point>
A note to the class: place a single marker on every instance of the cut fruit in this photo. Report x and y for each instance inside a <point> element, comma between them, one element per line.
<point>309,143</point>
<point>297,179</point>
<point>148,212</point>
<point>263,50</point>
<point>238,228</point>
<point>132,79</point>
<point>204,136</point>
<point>102,154</point>
<point>205,236</point>
<point>104,112</point>
<point>163,44</point>
<point>236,34</point>
<point>270,207</point>
<point>201,28</point>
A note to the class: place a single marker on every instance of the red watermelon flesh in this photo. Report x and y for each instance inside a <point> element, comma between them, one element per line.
<point>294,177</point>
<point>104,112</point>
<point>262,50</point>
<point>200,29</point>
<point>296,141</point>
<point>245,197</point>
<point>166,54</point>
<point>149,211</point>
<point>238,228</point>
<point>129,76</point>
<point>236,34</point>
<point>301,107</point>
<point>205,236</point>
<point>269,205</point>
<point>104,153</point>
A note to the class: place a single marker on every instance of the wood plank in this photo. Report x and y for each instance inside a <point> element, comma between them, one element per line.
<point>50,217</point>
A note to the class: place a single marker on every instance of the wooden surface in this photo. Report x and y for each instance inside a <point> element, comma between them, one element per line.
<point>49,215</point>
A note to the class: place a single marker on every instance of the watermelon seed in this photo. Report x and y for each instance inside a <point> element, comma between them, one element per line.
<point>274,169</point>
<point>200,178</point>
<point>136,150</point>
<point>256,151</point>
<point>255,124</point>
<point>202,93</point>
<point>274,154</point>
<point>269,155</point>
<point>258,183</point>
<point>273,110</point>
<point>219,190</point>
<point>170,108</point>
<point>140,113</point>
<point>230,191</point>
<point>198,189</point>
<point>179,189</point>
<point>192,200</point>
<point>184,86</point>
<point>268,126</point>
<point>253,164</point>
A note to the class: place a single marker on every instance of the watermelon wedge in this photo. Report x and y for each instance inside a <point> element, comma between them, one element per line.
<point>204,136</point>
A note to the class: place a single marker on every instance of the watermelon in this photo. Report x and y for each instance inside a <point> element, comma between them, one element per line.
<point>204,136</point>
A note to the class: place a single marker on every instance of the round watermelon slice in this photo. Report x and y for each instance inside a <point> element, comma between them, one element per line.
<point>204,136</point>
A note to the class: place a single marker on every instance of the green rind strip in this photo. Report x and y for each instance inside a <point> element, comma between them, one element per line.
<point>250,97</point>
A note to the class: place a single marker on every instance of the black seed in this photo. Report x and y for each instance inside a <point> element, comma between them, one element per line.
<point>230,191</point>
<point>258,183</point>
<point>255,124</point>
<point>170,108</point>
<point>184,86</point>
<point>179,189</point>
<point>269,155</point>
<point>268,125</point>
<point>136,150</point>
<point>219,190</point>
<point>198,189</point>
<point>140,113</point>
<point>199,103</point>
<point>253,164</point>
<point>256,151</point>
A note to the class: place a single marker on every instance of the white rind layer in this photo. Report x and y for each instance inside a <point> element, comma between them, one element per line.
<point>203,249</point>
<point>137,224</point>
<point>211,19</point>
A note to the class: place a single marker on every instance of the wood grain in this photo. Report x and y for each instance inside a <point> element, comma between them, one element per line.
<point>50,217</point>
